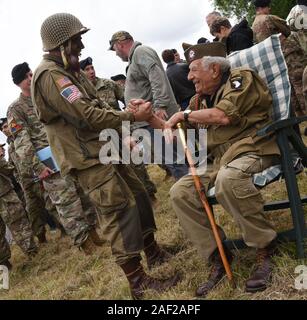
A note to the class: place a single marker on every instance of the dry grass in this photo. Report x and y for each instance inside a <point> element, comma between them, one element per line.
<point>60,271</point>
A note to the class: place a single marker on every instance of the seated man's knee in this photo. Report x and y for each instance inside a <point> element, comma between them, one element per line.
<point>178,191</point>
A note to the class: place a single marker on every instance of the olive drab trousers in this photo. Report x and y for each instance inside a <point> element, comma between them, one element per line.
<point>124,206</point>
<point>235,191</point>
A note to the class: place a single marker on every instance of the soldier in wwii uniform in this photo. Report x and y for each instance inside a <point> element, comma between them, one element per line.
<point>76,213</point>
<point>14,216</point>
<point>232,104</point>
<point>67,104</point>
<point>111,92</point>
<point>266,25</point>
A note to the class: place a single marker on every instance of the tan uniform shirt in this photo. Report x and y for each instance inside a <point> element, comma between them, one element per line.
<point>246,100</point>
<point>72,114</point>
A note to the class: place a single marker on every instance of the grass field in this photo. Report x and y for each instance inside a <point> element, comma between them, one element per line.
<point>60,271</point>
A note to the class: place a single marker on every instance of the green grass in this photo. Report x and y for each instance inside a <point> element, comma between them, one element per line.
<point>60,271</point>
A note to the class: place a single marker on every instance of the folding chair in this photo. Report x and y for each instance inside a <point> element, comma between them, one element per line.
<point>267,59</point>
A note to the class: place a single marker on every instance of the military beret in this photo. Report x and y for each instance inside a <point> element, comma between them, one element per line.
<point>262,3</point>
<point>2,122</point>
<point>119,36</point>
<point>86,62</point>
<point>19,72</point>
<point>118,77</point>
<point>198,51</point>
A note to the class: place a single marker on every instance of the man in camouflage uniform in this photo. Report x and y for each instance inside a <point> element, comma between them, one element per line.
<point>232,104</point>
<point>110,92</point>
<point>30,192</point>
<point>107,90</point>
<point>67,104</point>
<point>76,213</point>
<point>266,25</point>
<point>14,216</point>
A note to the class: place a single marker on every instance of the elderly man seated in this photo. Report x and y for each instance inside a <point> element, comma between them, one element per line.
<point>232,104</point>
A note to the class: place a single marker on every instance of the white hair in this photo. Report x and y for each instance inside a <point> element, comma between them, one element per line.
<point>223,62</point>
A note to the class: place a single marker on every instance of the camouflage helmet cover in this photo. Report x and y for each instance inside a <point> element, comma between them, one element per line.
<point>58,28</point>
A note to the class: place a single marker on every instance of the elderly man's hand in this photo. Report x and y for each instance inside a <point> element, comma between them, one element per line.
<point>161,113</point>
<point>171,124</point>
<point>141,109</point>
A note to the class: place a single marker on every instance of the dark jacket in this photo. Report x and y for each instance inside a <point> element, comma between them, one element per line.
<point>177,74</point>
<point>240,37</point>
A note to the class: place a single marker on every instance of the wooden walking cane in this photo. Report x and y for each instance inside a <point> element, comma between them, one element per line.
<point>201,191</point>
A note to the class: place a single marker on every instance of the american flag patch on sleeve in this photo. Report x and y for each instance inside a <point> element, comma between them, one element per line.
<point>71,94</point>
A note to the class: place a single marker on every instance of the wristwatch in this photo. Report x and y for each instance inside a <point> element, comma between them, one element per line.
<point>186,114</point>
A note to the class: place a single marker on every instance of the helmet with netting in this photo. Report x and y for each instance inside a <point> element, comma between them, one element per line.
<point>59,28</point>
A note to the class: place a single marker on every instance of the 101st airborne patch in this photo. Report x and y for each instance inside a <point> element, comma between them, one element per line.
<point>236,83</point>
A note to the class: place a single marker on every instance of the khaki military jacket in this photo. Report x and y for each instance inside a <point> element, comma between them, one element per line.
<point>5,171</point>
<point>110,92</point>
<point>29,137</point>
<point>246,100</point>
<point>72,114</point>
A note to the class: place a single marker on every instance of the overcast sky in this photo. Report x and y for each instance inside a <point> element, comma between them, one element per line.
<point>160,24</point>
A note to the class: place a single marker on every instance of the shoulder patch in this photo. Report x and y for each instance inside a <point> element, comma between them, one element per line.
<point>14,126</point>
<point>236,83</point>
<point>63,82</point>
<point>71,93</point>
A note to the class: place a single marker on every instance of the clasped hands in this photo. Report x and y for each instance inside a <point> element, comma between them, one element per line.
<point>143,111</point>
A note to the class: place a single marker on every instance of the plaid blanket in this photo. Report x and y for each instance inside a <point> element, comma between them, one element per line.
<point>267,59</point>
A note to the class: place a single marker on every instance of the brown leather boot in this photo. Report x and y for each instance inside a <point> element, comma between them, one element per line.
<point>88,247</point>
<point>139,281</point>
<point>263,273</point>
<point>95,238</point>
<point>155,256</point>
<point>217,272</point>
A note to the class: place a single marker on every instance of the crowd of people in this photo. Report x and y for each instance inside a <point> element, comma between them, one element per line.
<point>63,106</point>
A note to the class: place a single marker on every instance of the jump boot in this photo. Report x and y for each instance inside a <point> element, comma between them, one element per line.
<point>139,281</point>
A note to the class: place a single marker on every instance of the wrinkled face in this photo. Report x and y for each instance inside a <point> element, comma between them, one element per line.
<point>120,52</point>
<point>25,84</point>
<point>6,130</point>
<point>90,73</point>
<point>204,81</point>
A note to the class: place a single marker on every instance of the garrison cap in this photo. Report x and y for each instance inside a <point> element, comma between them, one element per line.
<point>119,36</point>
<point>86,62</point>
<point>262,3</point>
<point>198,51</point>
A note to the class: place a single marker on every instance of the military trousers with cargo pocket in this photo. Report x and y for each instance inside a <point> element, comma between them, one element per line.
<point>64,196</point>
<point>123,205</point>
<point>15,217</point>
<point>235,191</point>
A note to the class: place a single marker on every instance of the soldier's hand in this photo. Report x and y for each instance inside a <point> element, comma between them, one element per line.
<point>45,173</point>
<point>142,110</point>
